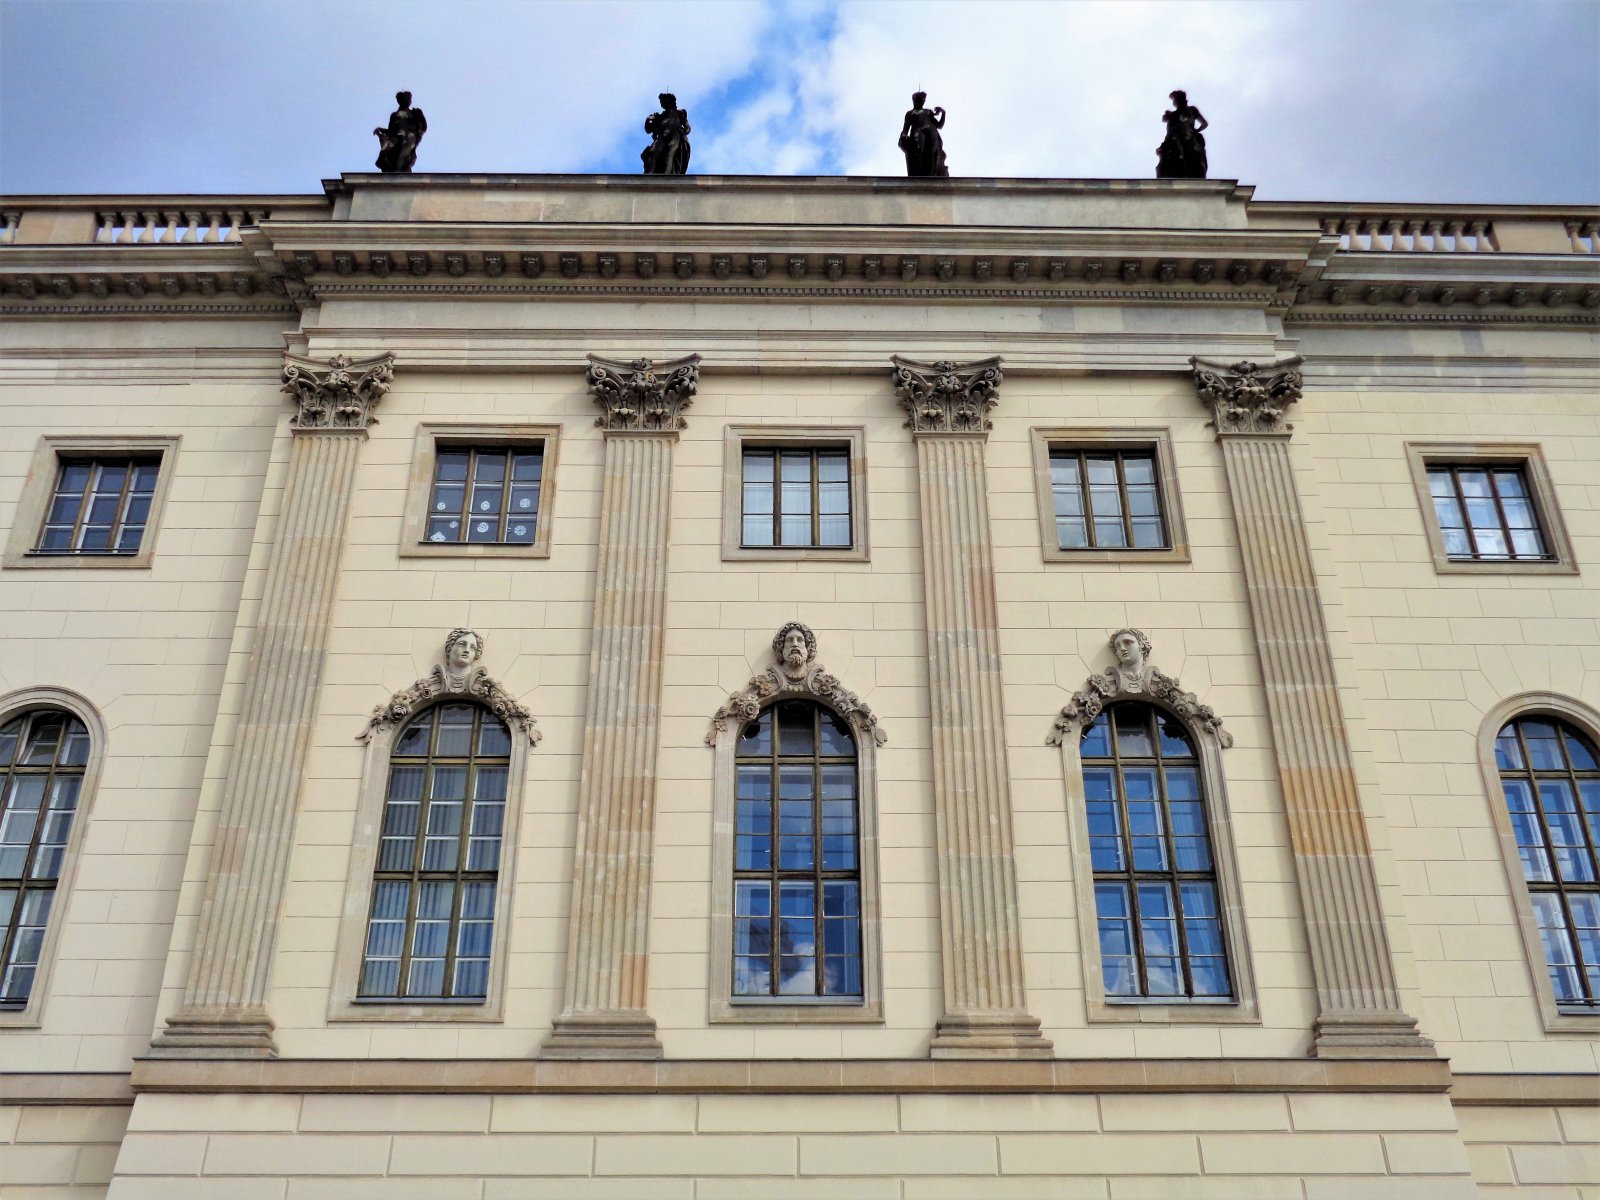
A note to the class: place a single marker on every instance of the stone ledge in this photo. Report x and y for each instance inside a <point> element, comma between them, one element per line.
<point>65,1087</point>
<point>1582,1090</point>
<point>532,1076</point>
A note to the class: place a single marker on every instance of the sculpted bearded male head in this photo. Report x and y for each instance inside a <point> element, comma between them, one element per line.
<point>794,646</point>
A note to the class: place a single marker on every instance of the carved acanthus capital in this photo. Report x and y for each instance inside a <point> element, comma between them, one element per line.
<point>795,674</point>
<point>1245,397</point>
<point>339,394</point>
<point>1132,677</point>
<point>643,396</point>
<point>947,397</point>
<point>458,675</point>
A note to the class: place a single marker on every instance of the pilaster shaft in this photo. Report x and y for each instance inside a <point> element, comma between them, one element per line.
<point>224,1011</point>
<point>1360,1014</point>
<point>985,1002</point>
<point>607,952</point>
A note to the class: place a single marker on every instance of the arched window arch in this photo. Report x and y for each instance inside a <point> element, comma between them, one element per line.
<point>794,858</point>
<point>424,930</point>
<point>431,925</point>
<point>50,746</point>
<point>1546,768</point>
<point>1160,914</point>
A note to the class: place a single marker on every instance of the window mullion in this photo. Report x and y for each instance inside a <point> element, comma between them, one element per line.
<point>1500,511</point>
<point>81,520</point>
<point>1127,509</point>
<point>1466,513</point>
<point>1171,838</point>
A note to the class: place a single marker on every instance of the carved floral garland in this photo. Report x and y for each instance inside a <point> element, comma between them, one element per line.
<point>477,686</point>
<point>1113,684</point>
<point>745,705</point>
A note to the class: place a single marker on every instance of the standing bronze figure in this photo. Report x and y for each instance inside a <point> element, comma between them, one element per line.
<point>397,145</point>
<point>1183,154</point>
<point>921,141</point>
<point>668,151</point>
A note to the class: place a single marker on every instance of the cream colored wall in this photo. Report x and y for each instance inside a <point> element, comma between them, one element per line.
<point>1552,1153</point>
<point>729,1147</point>
<point>146,648</point>
<point>1429,656</point>
<point>59,1152</point>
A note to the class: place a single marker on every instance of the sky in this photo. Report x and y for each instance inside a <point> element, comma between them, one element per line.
<point>1447,101</point>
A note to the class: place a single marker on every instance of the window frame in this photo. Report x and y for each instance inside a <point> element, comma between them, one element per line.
<point>851,439</point>
<point>724,1007</point>
<point>14,704</point>
<point>22,545</point>
<point>430,436</point>
<point>1151,439</point>
<point>1587,720</point>
<point>1529,458</point>
<point>1243,1008</point>
<point>345,1002</point>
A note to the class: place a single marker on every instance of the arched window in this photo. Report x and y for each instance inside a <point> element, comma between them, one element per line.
<point>431,922</point>
<point>1155,877</point>
<point>1550,777</point>
<point>43,756</point>
<point>797,857</point>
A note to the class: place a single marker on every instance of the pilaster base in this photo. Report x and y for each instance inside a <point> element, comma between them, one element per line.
<point>1003,1035</point>
<point>1370,1035</point>
<point>197,1033</point>
<point>619,1034</point>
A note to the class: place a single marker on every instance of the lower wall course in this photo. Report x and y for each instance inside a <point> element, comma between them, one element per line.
<point>898,1154</point>
<point>287,1154</point>
<point>497,1154</point>
<point>1292,1154</point>
<point>1098,1154</point>
<point>712,1154</point>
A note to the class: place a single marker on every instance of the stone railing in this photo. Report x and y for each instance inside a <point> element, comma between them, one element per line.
<point>1428,229</point>
<point>145,220</point>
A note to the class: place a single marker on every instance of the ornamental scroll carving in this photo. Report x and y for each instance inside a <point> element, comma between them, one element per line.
<point>458,675</point>
<point>338,394</point>
<point>947,397</point>
<point>1132,676</point>
<point>796,674</point>
<point>1245,397</point>
<point>643,396</point>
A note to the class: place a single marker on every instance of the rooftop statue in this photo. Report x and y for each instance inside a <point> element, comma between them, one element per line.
<point>919,138</point>
<point>668,151</point>
<point>397,145</point>
<point>1183,154</point>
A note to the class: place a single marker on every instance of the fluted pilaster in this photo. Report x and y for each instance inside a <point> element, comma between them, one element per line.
<point>224,1012</point>
<point>984,997</point>
<point>607,946</point>
<point>1360,1013</point>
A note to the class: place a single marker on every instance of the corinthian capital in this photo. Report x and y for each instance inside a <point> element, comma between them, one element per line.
<point>339,394</point>
<point>1245,397</point>
<point>947,397</point>
<point>642,396</point>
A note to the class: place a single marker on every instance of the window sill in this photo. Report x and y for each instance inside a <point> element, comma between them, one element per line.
<point>35,560</point>
<point>1463,566</point>
<point>537,549</point>
<point>786,1012</point>
<point>1170,554</point>
<point>411,1011</point>
<point>1168,1011</point>
<point>795,554</point>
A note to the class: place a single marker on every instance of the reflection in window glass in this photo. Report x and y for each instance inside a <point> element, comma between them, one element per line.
<point>485,494</point>
<point>1550,779</point>
<point>795,497</point>
<point>797,873</point>
<point>42,759</point>
<point>1155,884</point>
<point>1486,513</point>
<point>1106,500</point>
<point>99,506</point>
<point>433,898</point>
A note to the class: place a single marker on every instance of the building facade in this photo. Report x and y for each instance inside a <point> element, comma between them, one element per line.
<point>582,686</point>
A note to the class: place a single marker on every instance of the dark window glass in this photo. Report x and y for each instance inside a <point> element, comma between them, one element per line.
<point>42,759</point>
<point>433,895</point>
<point>1486,513</point>
<point>1106,500</point>
<point>99,506</point>
<point>796,497</point>
<point>485,494</point>
<point>1155,882</point>
<point>797,871</point>
<point>1550,777</point>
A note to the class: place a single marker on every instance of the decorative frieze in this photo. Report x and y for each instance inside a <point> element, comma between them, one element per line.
<point>1358,998</point>
<point>985,1005</point>
<point>947,397</point>
<point>1245,397</point>
<point>795,673</point>
<point>1130,677</point>
<point>456,675</point>
<point>339,394</point>
<point>642,396</point>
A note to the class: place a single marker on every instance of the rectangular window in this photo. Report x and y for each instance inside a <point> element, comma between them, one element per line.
<point>1486,513</point>
<point>796,497</point>
<point>1489,507</point>
<point>99,506</point>
<point>485,494</point>
<point>1106,500</point>
<point>480,491</point>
